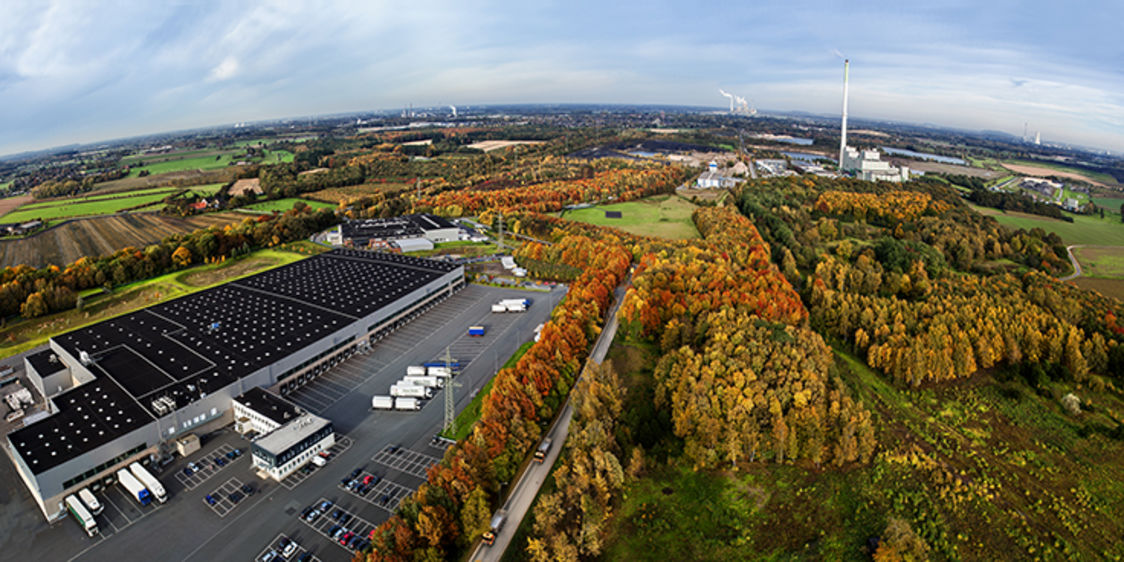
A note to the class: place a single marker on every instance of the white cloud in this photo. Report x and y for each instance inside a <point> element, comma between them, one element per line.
<point>225,70</point>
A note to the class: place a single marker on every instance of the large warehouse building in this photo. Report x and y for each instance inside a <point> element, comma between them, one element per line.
<point>120,389</point>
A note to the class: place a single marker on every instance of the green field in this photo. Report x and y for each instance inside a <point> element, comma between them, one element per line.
<point>100,204</point>
<point>1110,204</point>
<point>25,334</point>
<point>197,163</point>
<point>1101,261</point>
<point>664,216</point>
<point>471,413</point>
<point>154,158</point>
<point>284,205</point>
<point>1085,229</point>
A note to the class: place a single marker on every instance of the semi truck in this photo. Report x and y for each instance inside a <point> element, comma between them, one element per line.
<point>476,331</point>
<point>518,302</point>
<point>416,370</point>
<point>543,450</point>
<point>149,481</point>
<point>80,514</point>
<point>92,504</point>
<point>134,487</point>
<point>430,381</point>
<point>499,308</point>
<point>495,527</point>
<point>382,402</point>
<point>405,390</point>
<point>407,404</point>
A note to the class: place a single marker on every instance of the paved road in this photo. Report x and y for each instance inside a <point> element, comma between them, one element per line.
<point>527,487</point>
<point>1076,266</point>
<point>187,529</point>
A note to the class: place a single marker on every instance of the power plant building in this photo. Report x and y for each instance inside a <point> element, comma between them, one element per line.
<point>868,165</point>
<point>125,388</point>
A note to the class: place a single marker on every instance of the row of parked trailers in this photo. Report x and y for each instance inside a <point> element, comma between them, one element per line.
<point>420,382</point>
<point>511,305</point>
<point>136,480</point>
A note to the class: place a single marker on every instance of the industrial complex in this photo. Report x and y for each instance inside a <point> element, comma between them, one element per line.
<point>126,389</point>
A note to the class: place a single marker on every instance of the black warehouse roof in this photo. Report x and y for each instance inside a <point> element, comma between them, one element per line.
<point>393,228</point>
<point>184,349</point>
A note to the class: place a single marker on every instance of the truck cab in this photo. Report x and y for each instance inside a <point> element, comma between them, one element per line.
<point>498,520</point>
<point>543,450</point>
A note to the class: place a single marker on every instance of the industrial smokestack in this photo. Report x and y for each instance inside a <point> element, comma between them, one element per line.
<point>731,96</point>
<point>843,134</point>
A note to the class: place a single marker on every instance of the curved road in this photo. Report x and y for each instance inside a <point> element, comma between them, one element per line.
<point>527,487</point>
<point>1076,266</point>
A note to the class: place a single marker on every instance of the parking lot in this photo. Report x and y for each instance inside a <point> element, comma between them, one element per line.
<point>222,497</point>
<point>276,546</point>
<point>121,511</point>
<point>339,381</point>
<point>332,528</point>
<point>405,460</point>
<point>383,494</point>
<point>207,467</point>
<point>297,478</point>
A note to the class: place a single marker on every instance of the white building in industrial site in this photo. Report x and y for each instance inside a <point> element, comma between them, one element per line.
<point>286,437</point>
<point>868,165</point>
<point>129,387</point>
<point>712,178</point>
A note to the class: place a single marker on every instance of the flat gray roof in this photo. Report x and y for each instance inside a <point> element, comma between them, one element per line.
<point>291,433</point>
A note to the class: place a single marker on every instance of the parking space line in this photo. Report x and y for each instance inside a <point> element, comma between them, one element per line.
<point>324,522</point>
<point>384,494</point>
<point>405,460</point>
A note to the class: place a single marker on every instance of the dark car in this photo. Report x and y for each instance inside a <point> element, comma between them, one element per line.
<point>306,511</point>
<point>385,498</point>
<point>355,473</point>
<point>336,514</point>
<point>219,461</point>
<point>283,542</point>
<point>333,530</point>
<point>248,489</point>
<point>209,499</point>
<point>187,471</point>
<point>345,518</point>
<point>305,557</point>
<point>344,482</point>
<point>231,455</point>
<point>393,449</point>
<point>354,542</point>
<point>236,497</point>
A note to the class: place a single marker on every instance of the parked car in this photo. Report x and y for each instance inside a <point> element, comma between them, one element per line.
<point>289,549</point>
<point>236,497</point>
<point>346,537</point>
<point>267,557</point>
<point>367,479</point>
<point>385,498</point>
<point>219,461</point>
<point>324,505</point>
<point>305,557</point>
<point>333,530</point>
<point>345,518</point>
<point>355,473</point>
<point>210,499</point>
<point>312,515</point>
<point>187,471</point>
<point>248,489</point>
<point>194,467</point>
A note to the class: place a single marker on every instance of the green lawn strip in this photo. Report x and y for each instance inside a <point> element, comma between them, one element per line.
<point>167,156</point>
<point>1101,261</point>
<point>99,196</point>
<point>26,334</point>
<point>1109,204</point>
<point>199,163</point>
<point>665,216</point>
<point>101,207</point>
<point>1085,229</point>
<point>282,205</point>
<point>471,413</point>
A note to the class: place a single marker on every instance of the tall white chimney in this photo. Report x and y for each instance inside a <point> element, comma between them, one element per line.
<point>843,135</point>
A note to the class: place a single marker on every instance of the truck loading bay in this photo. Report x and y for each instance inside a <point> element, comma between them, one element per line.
<point>393,446</point>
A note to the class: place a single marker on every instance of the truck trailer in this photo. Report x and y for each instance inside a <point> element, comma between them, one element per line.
<point>92,504</point>
<point>382,402</point>
<point>149,481</point>
<point>407,404</point>
<point>454,365</point>
<point>476,331</point>
<point>543,450</point>
<point>430,381</point>
<point>499,308</point>
<point>416,370</point>
<point>134,487</point>
<point>522,302</point>
<point>495,527</point>
<point>401,389</point>
<point>80,514</point>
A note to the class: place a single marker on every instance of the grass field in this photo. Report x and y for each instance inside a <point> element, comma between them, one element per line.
<point>26,334</point>
<point>471,413</point>
<point>1085,229</point>
<point>283,205</point>
<point>1108,287</point>
<point>221,160</point>
<point>1101,261</point>
<point>664,216</point>
<point>100,203</point>
<point>1109,204</point>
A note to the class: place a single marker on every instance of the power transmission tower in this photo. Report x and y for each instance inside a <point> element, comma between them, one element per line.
<point>450,402</point>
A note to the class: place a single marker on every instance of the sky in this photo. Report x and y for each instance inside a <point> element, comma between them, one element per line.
<point>77,72</point>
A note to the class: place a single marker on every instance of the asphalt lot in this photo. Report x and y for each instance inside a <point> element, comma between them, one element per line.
<point>189,529</point>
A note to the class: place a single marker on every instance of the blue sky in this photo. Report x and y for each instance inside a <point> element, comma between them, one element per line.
<point>88,71</point>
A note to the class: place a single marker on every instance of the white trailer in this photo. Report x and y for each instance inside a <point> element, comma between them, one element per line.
<point>433,382</point>
<point>415,370</point>
<point>407,404</point>
<point>513,307</point>
<point>83,517</point>
<point>134,487</point>
<point>149,481</point>
<point>90,501</point>
<point>499,308</point>
<point>410,390</point>
<point>524,302</point>
<point>382,402</point>
<point>443,372</point>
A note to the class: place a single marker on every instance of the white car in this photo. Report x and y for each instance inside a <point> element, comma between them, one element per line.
<point>289,550</point>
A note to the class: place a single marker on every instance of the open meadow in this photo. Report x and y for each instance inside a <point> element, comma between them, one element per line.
<point>1042,169</point>
<point>1085,229</point>
<point>664,216</point>
<point>100,203</point>
<point>352,192</point>
<point>282,205</point>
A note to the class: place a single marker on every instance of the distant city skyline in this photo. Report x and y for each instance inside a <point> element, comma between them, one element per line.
<point>79,73</point>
